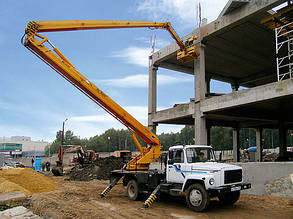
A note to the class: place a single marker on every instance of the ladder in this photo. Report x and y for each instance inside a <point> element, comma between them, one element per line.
<point>284,51</point>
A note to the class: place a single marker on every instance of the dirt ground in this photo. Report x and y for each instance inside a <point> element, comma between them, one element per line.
<point>76,199</point>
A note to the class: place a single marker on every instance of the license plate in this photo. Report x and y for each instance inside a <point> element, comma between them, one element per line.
<point>236,188</point>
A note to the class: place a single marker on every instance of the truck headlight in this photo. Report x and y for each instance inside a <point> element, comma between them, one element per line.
<point>212,181</point>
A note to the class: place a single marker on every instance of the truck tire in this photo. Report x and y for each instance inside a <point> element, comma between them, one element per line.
<point>132,190</point>
<point>229,198</point>
<point>197,198</point>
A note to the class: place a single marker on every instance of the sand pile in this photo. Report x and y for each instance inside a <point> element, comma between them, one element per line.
<point>25,180</point>
<point>100,169</point>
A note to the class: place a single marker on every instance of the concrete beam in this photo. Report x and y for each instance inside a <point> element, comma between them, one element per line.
<point>179,68</point>
<point>236,17</point>
<point>253,95</point>
<point>170,50</point>
<point>177,112</point>
<point>233,5</point>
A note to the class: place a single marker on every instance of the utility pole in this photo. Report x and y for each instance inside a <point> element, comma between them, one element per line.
<point>109,138</point>
<point>62,140</point>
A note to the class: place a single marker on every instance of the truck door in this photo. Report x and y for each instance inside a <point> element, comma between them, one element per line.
<point>175,166</point>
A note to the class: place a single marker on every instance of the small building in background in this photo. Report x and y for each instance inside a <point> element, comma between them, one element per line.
<point>22,146</point>
<point>11,149</point>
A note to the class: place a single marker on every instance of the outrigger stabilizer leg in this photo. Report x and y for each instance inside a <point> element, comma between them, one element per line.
<point>152,197</point>
<point>110,186</point>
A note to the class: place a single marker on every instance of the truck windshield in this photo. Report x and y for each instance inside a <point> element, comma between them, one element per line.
<point>194,155</point>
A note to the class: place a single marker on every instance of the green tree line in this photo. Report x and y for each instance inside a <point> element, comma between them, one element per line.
<point>220,138</point>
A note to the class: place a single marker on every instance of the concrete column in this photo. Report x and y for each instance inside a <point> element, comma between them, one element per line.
<point>234,86</point>
<point>153,128</point>
<point>200,78</point>
<point>236,147</point>
<point>283,139</point>
<point>152,97</point>
<point>208,135</point>
<point>259,146</point>
<point>200,134</point>
<point>208,85</point>
<point>200,128</point>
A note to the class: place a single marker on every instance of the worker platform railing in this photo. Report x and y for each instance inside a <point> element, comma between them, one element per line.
<point>284,51</point>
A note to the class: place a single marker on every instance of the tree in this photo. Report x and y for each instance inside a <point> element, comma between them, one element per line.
<point>113,139</point>
<point>69,139</point>
<point>186,135</point>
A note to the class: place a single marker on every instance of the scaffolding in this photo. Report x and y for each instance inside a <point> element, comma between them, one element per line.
<point>284,51</point>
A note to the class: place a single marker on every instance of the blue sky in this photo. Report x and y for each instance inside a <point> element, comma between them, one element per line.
<point>35,100</point>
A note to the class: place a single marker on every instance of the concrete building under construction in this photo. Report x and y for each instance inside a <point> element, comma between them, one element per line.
<point>241,47</point>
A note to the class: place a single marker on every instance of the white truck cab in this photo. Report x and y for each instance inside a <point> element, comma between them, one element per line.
<point>193,169</point>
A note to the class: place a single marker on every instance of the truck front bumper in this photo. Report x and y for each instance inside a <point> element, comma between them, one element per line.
<point>231,188</point>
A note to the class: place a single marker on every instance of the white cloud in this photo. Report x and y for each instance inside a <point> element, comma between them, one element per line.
<point>16,130</point>
<point>96,118</point>
<point>135,55</point>
<point>31,110</point>
<point>148,41</point>
<point>164,128</point>
<point>91,125</point>
<point>138,112</point>
<point>141,80</point>
<point>183,10</point>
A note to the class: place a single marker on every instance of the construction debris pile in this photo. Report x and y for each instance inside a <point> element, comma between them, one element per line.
<point>100,169</point>
<point>282,187</point>
<point>270,157</point>
<point>25,180</point>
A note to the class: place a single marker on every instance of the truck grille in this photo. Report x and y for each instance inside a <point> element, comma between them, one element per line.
<point>233,176</point>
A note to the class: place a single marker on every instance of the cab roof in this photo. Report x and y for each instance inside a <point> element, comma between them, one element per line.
<point>189,146</point>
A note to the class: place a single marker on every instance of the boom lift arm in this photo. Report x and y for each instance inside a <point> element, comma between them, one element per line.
<point>188,50</point>
<point>58,62</point>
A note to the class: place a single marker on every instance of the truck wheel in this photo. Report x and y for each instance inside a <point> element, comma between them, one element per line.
<point>132,190</point>
<point>197,198</point>
<point>229,198</point>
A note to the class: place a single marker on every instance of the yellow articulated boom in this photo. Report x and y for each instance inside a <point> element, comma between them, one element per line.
<point>58,62</point>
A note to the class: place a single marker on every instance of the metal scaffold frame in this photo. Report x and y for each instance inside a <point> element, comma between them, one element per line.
<point>284,42</point>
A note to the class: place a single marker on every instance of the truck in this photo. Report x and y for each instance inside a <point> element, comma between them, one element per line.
<point>189,169</point>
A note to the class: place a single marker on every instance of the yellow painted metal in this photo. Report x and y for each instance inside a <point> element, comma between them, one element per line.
<point>190,52</point>
<point>139,147</point>
<point>185,53</point>
<point>282,17</point>
<point>57,61</point>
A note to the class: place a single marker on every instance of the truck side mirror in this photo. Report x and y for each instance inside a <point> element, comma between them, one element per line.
<point>170,161</point>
